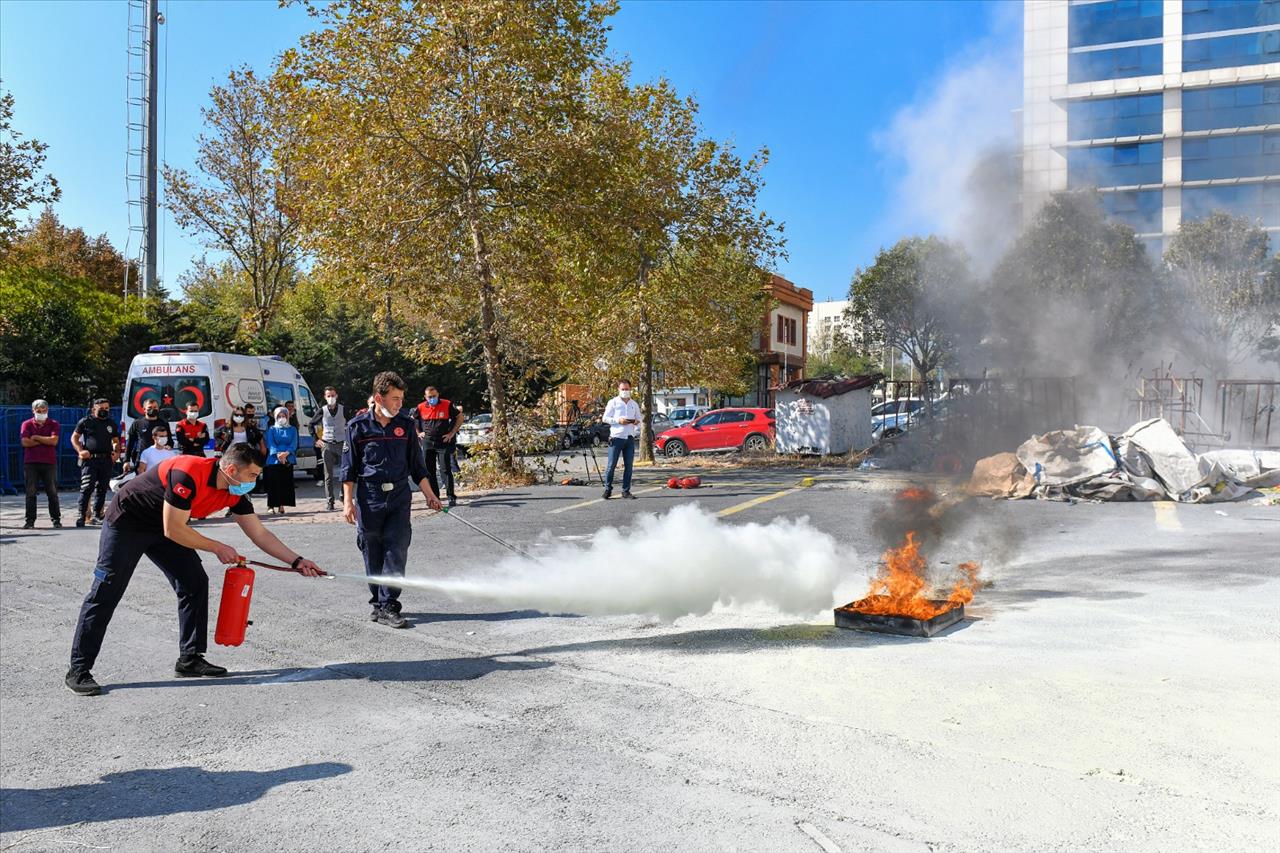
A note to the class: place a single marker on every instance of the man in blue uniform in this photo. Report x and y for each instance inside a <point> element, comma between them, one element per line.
<point>380,460</point>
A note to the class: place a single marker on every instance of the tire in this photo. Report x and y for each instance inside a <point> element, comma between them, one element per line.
<point>596,441</point>
<point>755,443</point>
<point>675,449</point>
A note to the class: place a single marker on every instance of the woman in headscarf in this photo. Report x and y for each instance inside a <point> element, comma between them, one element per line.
<point>282,455</point>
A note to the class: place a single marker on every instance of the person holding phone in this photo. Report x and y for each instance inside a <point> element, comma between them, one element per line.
<point>622,414</point>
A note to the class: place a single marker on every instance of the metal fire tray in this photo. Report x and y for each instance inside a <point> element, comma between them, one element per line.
<point>907,626</point>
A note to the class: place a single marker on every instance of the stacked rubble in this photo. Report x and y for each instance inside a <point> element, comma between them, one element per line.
<point>1148,461</point>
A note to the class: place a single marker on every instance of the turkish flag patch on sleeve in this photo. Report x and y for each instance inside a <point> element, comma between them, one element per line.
<point>181,490</point>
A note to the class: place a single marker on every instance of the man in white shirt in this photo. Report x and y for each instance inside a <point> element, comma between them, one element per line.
<point>622,414</point>
<point>159,450</point>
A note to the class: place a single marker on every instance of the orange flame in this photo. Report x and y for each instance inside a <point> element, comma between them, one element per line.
<point>900,588</point>
<point>915,493</point>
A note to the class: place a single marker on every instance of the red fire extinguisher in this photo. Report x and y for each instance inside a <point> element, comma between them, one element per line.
<point>233,612</point>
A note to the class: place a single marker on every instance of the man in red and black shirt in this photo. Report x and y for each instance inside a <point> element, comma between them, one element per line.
<point>150,515</point>
<point>438,422</point>
<point>191,433</point>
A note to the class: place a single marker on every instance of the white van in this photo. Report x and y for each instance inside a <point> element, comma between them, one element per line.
<point>178,374</point>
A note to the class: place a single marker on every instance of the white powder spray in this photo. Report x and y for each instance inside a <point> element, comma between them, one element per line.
<point>682,563</point>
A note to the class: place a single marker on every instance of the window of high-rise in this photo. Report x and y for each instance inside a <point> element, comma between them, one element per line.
<point>1169,108</point>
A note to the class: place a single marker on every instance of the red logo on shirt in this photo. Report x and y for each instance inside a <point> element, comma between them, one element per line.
<point>181,490</point>
<point>399,431</point>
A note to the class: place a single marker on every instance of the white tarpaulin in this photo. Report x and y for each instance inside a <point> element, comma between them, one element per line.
<point>1256,468</point>
<point>1164,451</point>
<point>1149,461</point>
<point>1065,457</point>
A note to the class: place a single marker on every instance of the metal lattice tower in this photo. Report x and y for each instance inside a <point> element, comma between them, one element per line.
<point>141,153</point>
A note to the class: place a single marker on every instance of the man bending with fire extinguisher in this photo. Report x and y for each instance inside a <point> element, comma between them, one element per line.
<point>150,515</point>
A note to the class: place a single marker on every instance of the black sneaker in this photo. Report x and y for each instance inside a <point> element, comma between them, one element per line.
<point>629,496</point>
<point>195,666</point>
<point>373,615</point>
<point>29,525</point>
<point>79,522</point>
<point>82,683</point>
<point>392,619</point>
<point>57,525</point>
<point>608,493</point>
<point>453,501</point>
<point>329,506</point>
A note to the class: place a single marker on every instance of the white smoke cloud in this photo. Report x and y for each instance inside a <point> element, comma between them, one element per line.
<point>938,141</point>
<point>683,563</point>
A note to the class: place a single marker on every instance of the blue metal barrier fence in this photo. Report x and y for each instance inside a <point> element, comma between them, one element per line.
<point>12,478</point>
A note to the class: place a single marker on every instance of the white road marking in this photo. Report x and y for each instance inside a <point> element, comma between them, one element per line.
<point>821,840</point>
<point>601,500</point>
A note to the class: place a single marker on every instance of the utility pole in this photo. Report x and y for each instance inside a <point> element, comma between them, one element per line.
<point>149,163</point>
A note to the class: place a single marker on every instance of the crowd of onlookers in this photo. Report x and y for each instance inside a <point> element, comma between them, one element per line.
<point>151,439</point>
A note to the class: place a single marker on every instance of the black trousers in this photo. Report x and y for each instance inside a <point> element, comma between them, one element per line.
<point>48,473</point>
<point>95,473</point>
<point>440,469</point>
<point>118,554</point>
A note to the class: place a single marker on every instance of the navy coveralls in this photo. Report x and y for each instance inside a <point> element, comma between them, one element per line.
<point>385,464</point>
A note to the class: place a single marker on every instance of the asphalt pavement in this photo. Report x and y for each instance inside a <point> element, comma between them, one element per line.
<point>1115,687</point>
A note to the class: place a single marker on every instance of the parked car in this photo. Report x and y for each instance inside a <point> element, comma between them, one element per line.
<point>894,416</point>
<point>585,432</point>
<point>662,423</point>
<point>474,430</point>
<point>722,429</point>
<point>685,414</point>
<point>595,432</point>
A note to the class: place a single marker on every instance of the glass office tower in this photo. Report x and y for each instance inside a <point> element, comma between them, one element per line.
<point>1171,108</point>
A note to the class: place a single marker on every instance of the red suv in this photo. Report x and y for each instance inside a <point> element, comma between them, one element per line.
<point>723,429</point>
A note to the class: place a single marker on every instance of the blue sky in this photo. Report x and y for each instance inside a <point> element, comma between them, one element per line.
<point>825,85</point>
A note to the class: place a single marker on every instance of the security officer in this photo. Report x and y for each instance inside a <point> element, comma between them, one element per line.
<point>151,515</point>
<point>97,442</point>
<point>380,459</point>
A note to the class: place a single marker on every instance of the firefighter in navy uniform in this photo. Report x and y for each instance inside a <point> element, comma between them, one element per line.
<point>381,462</point>
<point>150,515</point>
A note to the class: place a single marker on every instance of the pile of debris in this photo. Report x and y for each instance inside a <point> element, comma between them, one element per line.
<point>1147,462</point>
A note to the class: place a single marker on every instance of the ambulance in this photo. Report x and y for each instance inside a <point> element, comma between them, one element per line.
<point>176,375</point>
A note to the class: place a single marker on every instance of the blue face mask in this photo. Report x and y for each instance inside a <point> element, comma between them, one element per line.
<point>238,488</point>
<point>431,401</point>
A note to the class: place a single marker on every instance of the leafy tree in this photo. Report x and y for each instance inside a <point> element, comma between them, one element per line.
<point>1073,289</point>
<point>438,141</point>
<point>64,339</point>
<point>22,182</point>
<point>217,307</point>
<point>676,217</point>
<point>835,354</point>
<point>240,205</point>
<point>916,296</point>
<point>42,336</point>
<point>334,337</point>
<point>47,244</point>
<point>1225,289</point>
